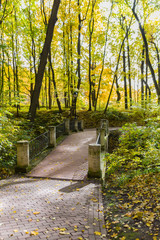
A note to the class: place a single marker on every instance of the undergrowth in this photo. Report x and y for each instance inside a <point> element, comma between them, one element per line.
<point>138,153</point>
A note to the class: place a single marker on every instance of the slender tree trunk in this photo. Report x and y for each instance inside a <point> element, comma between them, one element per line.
<point>158,61</point>
<point>142,78</point>
<point>2,81</point>
<point>117,65</point>
<point>31,80</point>
<point>147,52</point>
<point>54,83</point>
<point>125,80</point>
<point>89,74</point>
<point>129,72</point>
<point>9,82</point>
<point>43,59</point>
<point>79,47</point>
<point>49,87</point>
<point>91,29</point>
<point>68,71</point>
<point>146,92</point>
<point>45,89</point>
<point>64,67</point>
<point>115,75</point>
<point>33,47</point>
<point>43,96</point>
<point>13,63</point>
<point>117,90</point>
<point>16,68</point>
<point>104,55</point>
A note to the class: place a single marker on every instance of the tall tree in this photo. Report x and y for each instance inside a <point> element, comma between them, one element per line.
<point>143,33</point>
<point>43,59</point>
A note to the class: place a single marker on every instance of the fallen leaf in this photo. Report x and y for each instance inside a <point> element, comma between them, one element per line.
<point>64,233</point>
<point>36,213</point>
<point>87,227</point>
<point>97,233</point>
<point>34,233</point>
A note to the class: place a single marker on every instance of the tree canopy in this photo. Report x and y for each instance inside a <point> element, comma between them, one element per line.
<point>79,53</point>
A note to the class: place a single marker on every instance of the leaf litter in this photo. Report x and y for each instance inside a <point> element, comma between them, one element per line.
<point>132,211</point>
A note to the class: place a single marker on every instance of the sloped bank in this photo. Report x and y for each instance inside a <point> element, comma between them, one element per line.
<point>131,195</point>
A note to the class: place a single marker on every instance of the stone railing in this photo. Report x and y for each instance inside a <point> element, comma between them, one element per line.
<point>96,152</point>
<point>28,150</point>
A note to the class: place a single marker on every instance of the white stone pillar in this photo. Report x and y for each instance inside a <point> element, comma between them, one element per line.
<point>102,138</point>
<point>52,136</point>
<point>67,126</point>
<point>107,127</point>
<point>94,153</point>
<point>82,125</point>
<point>76,125</point>
<point>106,145</point>
<point>22,155</point>
<point>97,132</point>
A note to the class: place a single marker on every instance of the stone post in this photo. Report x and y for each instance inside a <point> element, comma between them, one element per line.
<point>22,155</point>
<point>107,127</point>
<point>102,138</point>
<point>82,125</point>
<point>52,136</point>
<point>97,132</point>
<point>105,123</point>
<point>106,145</point>
<point>76,125</point>
<point>94,153</point>
<point>67,126</point>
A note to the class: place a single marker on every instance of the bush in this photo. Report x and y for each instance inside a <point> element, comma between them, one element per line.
<point>8,138</point>
<point>138,152</point>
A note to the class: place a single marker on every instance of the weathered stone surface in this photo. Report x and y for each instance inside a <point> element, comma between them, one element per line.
<point>94,160</point>
<point>22,154</point>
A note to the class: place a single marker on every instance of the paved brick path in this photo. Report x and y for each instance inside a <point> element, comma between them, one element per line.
<point>69,159</point>
<point>40,208</point>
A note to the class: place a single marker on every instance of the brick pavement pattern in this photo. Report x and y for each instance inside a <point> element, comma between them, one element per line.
<point>50,208</point>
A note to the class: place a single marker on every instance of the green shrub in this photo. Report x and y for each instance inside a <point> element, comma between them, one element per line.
<point>8,138</point>
<point>138,152</point>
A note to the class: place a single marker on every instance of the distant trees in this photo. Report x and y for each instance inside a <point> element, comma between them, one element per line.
<point>102,53</point>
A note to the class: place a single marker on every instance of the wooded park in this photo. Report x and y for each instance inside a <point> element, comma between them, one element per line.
<point>88,60</point>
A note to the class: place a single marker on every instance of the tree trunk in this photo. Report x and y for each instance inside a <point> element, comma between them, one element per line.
<point>45,89</point>
<point>104,55</point>
<point>89,74</point>
<point>129,73</point>
<point>79,48</point>
<point>147,52</point>
<point>43,59</point>
<point>117,90</point>
<point>142,78</point>
<point>49,87</point>
<point>115,75</point>
<point>125,80</point>
<point>54,83</point>
<point>9,82</point>
<point>91,28</point>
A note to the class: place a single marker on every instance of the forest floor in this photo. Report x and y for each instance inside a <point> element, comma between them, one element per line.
<point>132,212</point>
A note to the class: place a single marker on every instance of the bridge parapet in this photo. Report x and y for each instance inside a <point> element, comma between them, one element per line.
<point>27,151</point>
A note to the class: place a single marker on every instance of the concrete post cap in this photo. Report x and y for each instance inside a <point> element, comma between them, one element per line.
<point>50,127</point>
<point>22,142</point>
<point>95,145</point>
